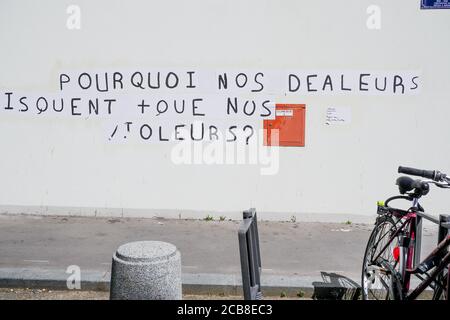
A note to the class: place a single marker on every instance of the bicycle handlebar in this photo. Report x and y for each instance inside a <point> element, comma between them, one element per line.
<point>429,174</point>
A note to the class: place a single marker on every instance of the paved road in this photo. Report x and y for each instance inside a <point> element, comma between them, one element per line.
<point>288,249</point>
<point>43,294</point>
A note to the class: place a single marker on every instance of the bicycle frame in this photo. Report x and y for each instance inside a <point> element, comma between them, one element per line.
<point>409,253</point>
<point>444,262</point>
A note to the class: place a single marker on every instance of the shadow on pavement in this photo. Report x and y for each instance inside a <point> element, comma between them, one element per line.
<point>336,287</point>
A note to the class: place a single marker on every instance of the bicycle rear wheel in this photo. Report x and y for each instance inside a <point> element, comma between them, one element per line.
<point>379,281</point>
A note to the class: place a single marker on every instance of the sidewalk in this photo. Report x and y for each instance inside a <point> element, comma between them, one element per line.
<point>301,256</point>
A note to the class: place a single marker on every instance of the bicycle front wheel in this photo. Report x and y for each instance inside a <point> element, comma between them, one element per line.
<point>379,280</point>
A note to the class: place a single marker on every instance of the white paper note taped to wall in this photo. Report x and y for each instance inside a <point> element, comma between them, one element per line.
<point>284,113</point>
<point>338,115</point>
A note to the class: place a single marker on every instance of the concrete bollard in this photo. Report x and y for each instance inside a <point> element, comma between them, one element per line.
<point>146,270</point>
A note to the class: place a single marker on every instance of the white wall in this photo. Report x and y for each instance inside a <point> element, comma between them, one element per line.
<point>64,167</point>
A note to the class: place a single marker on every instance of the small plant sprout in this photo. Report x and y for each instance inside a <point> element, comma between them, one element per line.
<point>209,218</point>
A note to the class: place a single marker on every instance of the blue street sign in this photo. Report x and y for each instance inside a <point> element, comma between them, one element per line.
<point>435,4</point>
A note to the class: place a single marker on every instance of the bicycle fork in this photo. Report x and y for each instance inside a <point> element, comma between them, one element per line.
<point>407,243</point>
<point>405,259</point>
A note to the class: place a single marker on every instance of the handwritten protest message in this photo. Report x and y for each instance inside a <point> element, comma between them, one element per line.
<point>199,105</point>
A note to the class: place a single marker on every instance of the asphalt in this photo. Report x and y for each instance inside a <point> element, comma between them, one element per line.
<point>297,257</point>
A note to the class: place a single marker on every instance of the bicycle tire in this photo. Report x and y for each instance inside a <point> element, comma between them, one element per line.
<point>372,282</point>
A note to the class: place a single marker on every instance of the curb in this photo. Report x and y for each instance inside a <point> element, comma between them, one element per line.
<point>193,284</point>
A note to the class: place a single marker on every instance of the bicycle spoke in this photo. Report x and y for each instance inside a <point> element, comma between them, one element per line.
<point>376,283</point>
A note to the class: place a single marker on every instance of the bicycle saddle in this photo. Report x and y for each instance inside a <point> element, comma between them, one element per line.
<point>406,184</point>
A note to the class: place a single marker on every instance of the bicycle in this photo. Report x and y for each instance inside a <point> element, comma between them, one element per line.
<point>392,255</point>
